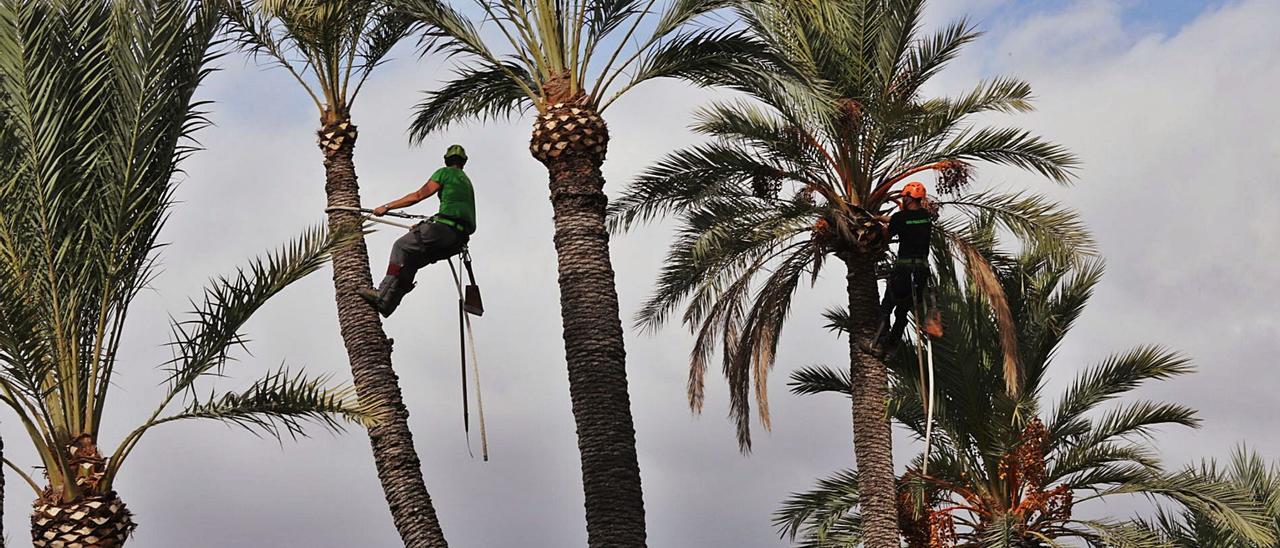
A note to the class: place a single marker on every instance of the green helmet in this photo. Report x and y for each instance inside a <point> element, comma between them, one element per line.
<point>456,150</point>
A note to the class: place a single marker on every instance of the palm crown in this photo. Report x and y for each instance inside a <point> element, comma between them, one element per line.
<point>96,102</point>
<point>1004,471</point>
<point>329,46</point>
<point>582,52</point>
<point>800,174</point>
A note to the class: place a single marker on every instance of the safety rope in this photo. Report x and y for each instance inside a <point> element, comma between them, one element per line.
<point>464,324</point>
<point>924,349</point>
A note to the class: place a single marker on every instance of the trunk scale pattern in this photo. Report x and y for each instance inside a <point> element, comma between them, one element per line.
<point>571,140</point>
<point>369,350</point>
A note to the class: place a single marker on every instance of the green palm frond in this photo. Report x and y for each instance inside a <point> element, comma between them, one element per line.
<point>330,47</point>
<point>1139,420</point>
<point>1035,220</point>
<point>817,379</point>
<point>824,516</point>
<point>483,93</point>
<point>202,347</point>
<point>1188,528</point>
<point>705,58</point>
<point>1001,532</point>
<point>691,178</point>
<point>1123,534</point>
<point>201,343</point>
<point>1114,376</point>
<point>1225,504</point>
<point>281,403</point>
<point>1013,147</point>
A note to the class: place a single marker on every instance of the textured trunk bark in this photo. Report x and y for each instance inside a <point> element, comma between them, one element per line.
<point>91,521</point>
<point>397,462</point>
<point>872,437</point>
<point>595,355</point>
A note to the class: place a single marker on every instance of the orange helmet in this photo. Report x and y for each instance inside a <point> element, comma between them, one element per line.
<point>913,190</point>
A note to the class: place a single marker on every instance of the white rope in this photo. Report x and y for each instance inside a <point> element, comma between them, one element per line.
<point>924,345</point>
<point>928,425</point>
<point>475,366</point>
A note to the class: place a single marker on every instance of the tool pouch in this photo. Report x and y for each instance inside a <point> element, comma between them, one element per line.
<point>471,297</point>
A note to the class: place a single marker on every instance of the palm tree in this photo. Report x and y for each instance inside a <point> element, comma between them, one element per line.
<point>1004,472</point>
<point>6,151</point>
<point>800,175</point>
<point>1189,528</point>
<point>330,47</point>
<point>97,102</point>
<point>569,60</point>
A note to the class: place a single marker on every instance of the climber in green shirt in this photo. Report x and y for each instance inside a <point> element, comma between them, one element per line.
<point>443,236</point>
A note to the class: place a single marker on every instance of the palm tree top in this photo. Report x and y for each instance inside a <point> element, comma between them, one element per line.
<point>801,169</point>
<point>543,53</point>
<point>330,47</point>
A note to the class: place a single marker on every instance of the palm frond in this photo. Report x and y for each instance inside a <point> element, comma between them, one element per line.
<point>825,515</point>
<point>1114,376</point>
<point>281,403</point>
<point>705,58</point>
<point>477,92</point>
<point>1034,220</point>
<point>1188,528</point>
<point>691,178</point>
<point>1124,534</point>
<point>330,48</point>
<point>1223,503</point>
<point>202,343</point>
<point>983,277</point>
<point>817,379</point>
<point>1139,419</point>
<point>1013,147</point>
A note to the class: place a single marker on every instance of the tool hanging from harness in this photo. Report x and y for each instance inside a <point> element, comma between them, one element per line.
<point>469,303</point>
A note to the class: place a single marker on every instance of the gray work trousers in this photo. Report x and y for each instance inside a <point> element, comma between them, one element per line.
<point>425,243</point>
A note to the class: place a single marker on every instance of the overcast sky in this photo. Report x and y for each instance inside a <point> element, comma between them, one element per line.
<point>1170,104</point>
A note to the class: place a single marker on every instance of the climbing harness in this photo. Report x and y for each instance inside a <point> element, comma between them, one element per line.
<point>469,304</point>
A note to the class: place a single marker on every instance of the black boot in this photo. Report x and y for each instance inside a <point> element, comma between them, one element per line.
<point>388,294</point>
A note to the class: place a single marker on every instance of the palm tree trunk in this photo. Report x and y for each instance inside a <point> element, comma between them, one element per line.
<point>1,492</point>
<point>594,349</point>
<point>397,462</point>
<point>872,437</point>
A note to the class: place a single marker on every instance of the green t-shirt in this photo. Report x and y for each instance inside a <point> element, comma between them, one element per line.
<point>457,198</point>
